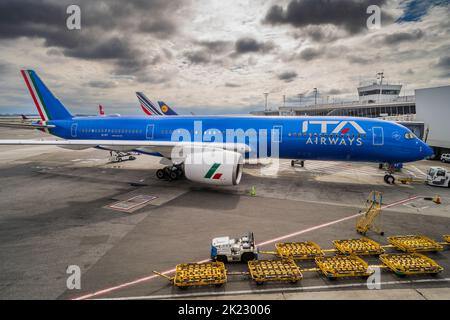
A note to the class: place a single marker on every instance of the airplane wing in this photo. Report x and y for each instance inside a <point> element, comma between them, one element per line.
<point>164,146</point>
<point>22,125</point>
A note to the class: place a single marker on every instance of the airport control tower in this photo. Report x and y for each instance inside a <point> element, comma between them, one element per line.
<point>377,91</point>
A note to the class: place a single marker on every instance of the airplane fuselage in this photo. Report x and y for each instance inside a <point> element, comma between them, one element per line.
<point>315,138</point>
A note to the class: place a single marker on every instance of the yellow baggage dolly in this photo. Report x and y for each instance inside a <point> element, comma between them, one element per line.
<point>274,270</point>
<point>415,243</point>
<point>343,266</point>
<point>198,274</point>
<point>363,246</point>
<point>298,250</point>
<point>446,238</point>
<point>410,264</point>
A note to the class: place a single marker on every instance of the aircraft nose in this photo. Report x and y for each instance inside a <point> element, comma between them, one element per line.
<point>426,150</point>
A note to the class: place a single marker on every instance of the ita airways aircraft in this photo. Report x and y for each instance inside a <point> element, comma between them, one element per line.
<point>151,109</point>
<point>211,149</point>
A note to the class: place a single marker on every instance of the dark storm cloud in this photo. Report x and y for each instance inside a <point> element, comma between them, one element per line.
<point>105,27</point>
<point>208,51</point>
<point>232,85</point>
<point>348,14</point>
<point>357,59</point>
<point>161,29</point>
<point>394,38</point>
<point>248,45</point>
<point>443,65</point>
<point>444,62</point>
<point>287,76</point>
<point>216,47</point>
<point>310,54</point>
<point>198,57</point>
<point>107,49</point>
<point>322,34</point>
<point>102,84</point>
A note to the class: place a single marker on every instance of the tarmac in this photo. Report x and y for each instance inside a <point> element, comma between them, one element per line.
<point>59,209</point>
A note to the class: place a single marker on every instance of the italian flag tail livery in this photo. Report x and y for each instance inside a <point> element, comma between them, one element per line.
<point>48,106</point>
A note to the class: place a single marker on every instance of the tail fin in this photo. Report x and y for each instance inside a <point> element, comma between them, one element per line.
<point>48,106</point>
<point>166,109</point>
<point>100,110</point>
<point>147,106</point>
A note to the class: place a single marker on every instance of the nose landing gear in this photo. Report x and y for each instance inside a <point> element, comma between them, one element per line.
<point>170,173</point>
<point>389,179</point>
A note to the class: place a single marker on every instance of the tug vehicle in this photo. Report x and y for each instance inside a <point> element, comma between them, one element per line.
<point>439,177</point>
<point>226,249</point>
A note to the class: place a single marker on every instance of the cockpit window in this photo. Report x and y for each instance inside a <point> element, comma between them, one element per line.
<point>410,135</point>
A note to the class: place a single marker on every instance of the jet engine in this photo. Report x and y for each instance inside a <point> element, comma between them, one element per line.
<point>217,166</point>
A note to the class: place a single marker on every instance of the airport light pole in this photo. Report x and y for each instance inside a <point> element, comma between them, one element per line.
<point>315,96</point>
<point>380,75</point>
<point>300,95</point>
<point>265,97</point>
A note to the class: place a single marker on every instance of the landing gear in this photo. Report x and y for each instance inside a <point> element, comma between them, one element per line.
<point>170,172</point>
<point>301,162</point>
<point>389,179</point>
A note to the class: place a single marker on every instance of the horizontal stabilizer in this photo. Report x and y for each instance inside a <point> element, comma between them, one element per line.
<point>20,125</point>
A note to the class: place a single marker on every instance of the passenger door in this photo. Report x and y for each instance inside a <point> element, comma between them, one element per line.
<point>378,136</point>
<point>149,131</point>
<point>73,130</point>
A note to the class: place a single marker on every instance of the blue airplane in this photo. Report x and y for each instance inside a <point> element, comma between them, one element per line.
<point>150,109</point>
<point>315,138</point>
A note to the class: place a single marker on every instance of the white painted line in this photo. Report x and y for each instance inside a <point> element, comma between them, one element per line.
<point>144,279</point>
<point>418,170</point>
<point>276,290</point>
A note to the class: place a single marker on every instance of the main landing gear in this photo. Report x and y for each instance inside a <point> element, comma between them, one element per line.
<point>170,173</point>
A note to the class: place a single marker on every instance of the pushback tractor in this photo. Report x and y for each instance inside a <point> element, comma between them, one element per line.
<point>226,249</point>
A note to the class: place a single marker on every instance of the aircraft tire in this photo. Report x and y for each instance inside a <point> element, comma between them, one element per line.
<point>221,258</point>
<point>390,179</point>
<point>173,175</point>
<point>247,256</point>
<point>292,163</point>
<point>160,174</point>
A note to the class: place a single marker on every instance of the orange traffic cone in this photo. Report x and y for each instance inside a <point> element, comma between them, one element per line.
<point>437,199</point>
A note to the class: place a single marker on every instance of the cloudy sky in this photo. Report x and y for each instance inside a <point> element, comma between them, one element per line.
<point>217,56</point>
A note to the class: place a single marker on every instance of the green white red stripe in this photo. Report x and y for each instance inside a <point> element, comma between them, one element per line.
<point>211,174</point>
<point>37,98</point>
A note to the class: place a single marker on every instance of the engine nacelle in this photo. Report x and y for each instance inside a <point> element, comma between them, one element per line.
<point>218,167</point>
